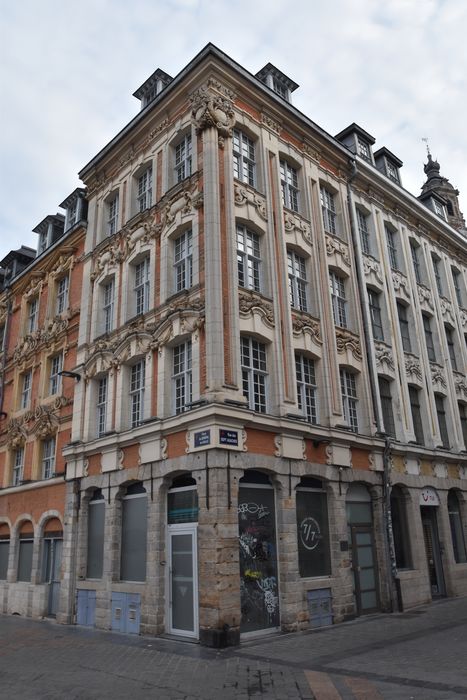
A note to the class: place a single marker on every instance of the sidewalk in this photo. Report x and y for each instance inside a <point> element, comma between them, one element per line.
<point>421,654</point>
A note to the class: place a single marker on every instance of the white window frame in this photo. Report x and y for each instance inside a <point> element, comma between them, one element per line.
<point>437,273</point>
<point>416,262</point>
<point>182,380</point>
<point>364,150</point>
<point>307,391</point>
<point>33,314</point>
<point>55,379</point>
<point>244,158</point>
<point>63,286</point>
<point>183,261</point>
<point>142,286</point>
<point>102,390</point>
<point>183,158</point>
<point>18,467</point>
<point>48,457</point>
<point>362,222</point>
<point>113,206</point>
<point>456,277</point>
<point>392,171</point>
<point>136,392</point>
<point>248,258</point>
<point>108,305</point>
<point>297,280</point>
<point>392,247</point>
<point>26,389</point>
<point>328,210</point>
<point>349,399</point>
<point>254,373</point>
<point>289,186</point>
<point>144,189</point>
<point>338,299</point>
<point>375,314</point>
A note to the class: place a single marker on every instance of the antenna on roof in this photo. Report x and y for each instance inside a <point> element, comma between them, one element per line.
<point>425,140</point>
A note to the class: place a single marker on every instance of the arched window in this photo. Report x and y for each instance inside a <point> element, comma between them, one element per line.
<point>457,530</point>
<point>182,500</point>
<point>314,556</point>
<point>400,529</point>
<point>4,550</point>
<point>96,522</point>
<point>134,533</point>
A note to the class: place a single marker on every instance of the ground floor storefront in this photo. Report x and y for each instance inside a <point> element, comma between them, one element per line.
<point>221,547</point>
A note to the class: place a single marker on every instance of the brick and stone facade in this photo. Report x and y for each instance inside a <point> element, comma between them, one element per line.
<point>264,310</point>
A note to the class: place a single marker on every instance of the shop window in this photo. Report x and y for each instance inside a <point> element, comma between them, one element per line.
<point>400,529</point>
<point>4,551</point>
<point>457,529</point>
<point>182,501</point>
<point>314,556</point>
<point>134,534</point>
<point>26,543</point>
<point>96,524</point>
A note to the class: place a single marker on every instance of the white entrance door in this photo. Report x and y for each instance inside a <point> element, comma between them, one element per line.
<point>183,580</point>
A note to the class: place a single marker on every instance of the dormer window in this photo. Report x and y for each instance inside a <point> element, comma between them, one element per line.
<point>388,164</point>
<point>75,207</point>
<point>151,88</point>
<point>364,150</point>
<point>277,81</point>
<point>438,208</point>
<point>49,230</point>
<point>392,171</point>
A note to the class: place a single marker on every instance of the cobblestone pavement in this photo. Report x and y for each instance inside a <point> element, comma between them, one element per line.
<point>417,655</point>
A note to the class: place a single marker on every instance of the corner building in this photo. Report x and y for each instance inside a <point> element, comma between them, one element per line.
<point>270,427</point>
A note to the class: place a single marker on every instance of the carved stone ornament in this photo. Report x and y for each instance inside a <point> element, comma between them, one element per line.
<point>329,454</point>
<point>271,123</point>
<point>335,246</point>
<point>400,284</point>
<point>34,287</point>
<point>371,265</point>
<point>46,424</point>
<point>437,376</point>
<point>164,450</point>
<point>3,310</point>
<point>47,335</point>
<point>243,195</point>
<point>311,152</point>
<point>463,315</point>
<point>128,156</point>
<point>278,446</point>
<point>211,109</point>
<point>249,302</point>
<point>65,263</point>
<point>461,386</point>
<point>412,368</point>
<point>108,259</point>
<point>384,357</point>
<point>16,434</point>
<point>305,324</point>
<point>425,295</point>
<point>446,310</point>
<point>99,181</point>
<point>181,204</point>
<point>157,130</point>
<point>293,222</point>
<point>345,340</point>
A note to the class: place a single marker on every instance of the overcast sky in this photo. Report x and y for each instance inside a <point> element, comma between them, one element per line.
<point>68,71</point>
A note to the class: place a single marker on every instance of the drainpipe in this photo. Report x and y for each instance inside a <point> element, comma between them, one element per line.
<point>5,346</point>
<point>394,583</point>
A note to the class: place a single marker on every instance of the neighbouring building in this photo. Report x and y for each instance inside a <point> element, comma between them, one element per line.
<point>39,321</point>
<point>268,391</point>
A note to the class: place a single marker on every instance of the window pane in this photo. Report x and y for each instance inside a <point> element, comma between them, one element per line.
<point>96,522</point>
<point>134,537</point>
<point>313,534</point>
<point>4,554</point>
<point>25,560</point>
